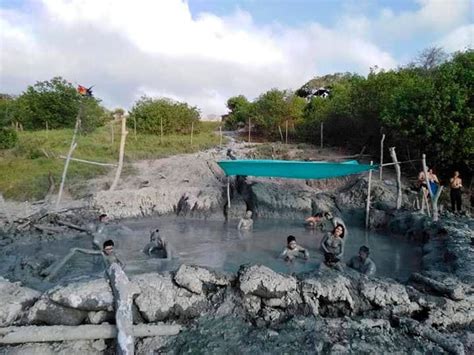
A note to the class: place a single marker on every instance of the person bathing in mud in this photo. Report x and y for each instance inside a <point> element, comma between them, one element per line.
<point>334,242</point>
<point>109,255</point>
<point>159,247</point>
<point>246,222</point>
<point>319,218</point>
<point>314,220</point>
<point>293,250</point>
<point>362,262</point>
<point>331,262</point>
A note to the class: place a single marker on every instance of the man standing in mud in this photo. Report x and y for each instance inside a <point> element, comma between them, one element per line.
<point>246,222</point>
<point>159,247</point>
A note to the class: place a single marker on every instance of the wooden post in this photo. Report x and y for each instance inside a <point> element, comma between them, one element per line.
<point>381,156</point>
<point>161,130</point>
<point>228,194</point>
<point>192,131</point>
<point>425,171</point>
<point>322,134</point>
<point>367,207</point>
<point>5,209</point>
<point>250,128</point>
<point>434,201</point>
<point>135,126</point>
<point>220,136</point>
<point>393,154</point>
<point>112,133</point>
<point>121,153</point>
<point>281,133</point>
<point>47,127</point>
<point>286,132</point>
<point>69,154</point>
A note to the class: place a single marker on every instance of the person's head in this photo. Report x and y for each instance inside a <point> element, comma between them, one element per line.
<point>108,247</point>
<point>456,173</point>
<point>154,235</point>
<point>291,242</point>
<point>318,215</point>
<point>364,252</point>
<point>248,214</point>
<point>103,218</point>
<point>328,215</point>
<point>339,231</point>
<point>330,259</point>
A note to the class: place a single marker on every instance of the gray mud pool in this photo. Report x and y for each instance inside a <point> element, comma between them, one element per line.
<point>214,244</point>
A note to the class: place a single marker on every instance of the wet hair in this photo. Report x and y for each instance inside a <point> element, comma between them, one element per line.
<point>319,214</point>
<point>290,239</point>
<point>327,214</point>
<point>330,258</point>
<point>364,249</point>
<point>108,243</point>
<point>102,216</point>
<point>343,230</point>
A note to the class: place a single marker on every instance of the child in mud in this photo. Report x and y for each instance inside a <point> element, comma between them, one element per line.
<point>158,247</point>
<point>293,250</point>
<point>109,254</point>
<point>246,222</point>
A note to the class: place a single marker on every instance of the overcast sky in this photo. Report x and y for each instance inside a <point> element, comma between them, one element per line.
<point>204,51</point>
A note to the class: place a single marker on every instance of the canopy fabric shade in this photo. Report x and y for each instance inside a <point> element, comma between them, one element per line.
<point>293,169</point>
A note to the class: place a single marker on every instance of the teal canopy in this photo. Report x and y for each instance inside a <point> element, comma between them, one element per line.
<point>293,169</point>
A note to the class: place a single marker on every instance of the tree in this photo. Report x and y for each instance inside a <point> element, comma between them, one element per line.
<point>175,117</point>
<point>55,103</point>
<point>239,108</point>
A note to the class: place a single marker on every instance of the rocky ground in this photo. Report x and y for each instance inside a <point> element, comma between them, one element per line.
<point>256,310</point>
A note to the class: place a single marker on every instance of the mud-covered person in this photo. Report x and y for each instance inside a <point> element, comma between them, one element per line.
<point>246,222</point>
<point>159,247</point>
<point>362,262</point>
<point>293,250</point>
<point>334,242</point>
<point>108,252</point>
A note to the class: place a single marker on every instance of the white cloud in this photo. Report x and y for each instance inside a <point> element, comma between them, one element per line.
<point>461,38</point>
<point>130,48</point>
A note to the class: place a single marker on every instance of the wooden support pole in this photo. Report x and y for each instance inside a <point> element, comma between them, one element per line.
<point>121,153</point>
<point>192,132</point>
<point>5,209</point>
<point>250,128</point>
<point>367,207</point>
<point>54,269</point>
<point>220,136</point>
<point>286,132</point>
<point>425,172</point>
<point>455,292</point>
<point>37,334</point>
<point>434,201</point>
<point>123,298</point>
<point>88,161</point>
<point>281,133</point>
<point>161,130</point>
<point>322,134</point>
<point>393,154</point>
<point>135,127</point>
<point>228,193</point>
<point>112,133</point>
<point>381,157</point>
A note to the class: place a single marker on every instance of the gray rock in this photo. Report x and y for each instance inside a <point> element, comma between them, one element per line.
<point>261,281</point>
<point>193,277</point>
<point>45,311</point>
<point>100,317</point>
<point>93,295</point>
<point>14,301</point>
<point>160,298</point>
<point>383,293</point>
<point>80,347</point>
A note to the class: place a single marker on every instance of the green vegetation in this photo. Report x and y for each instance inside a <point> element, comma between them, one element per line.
<point>154,115</point>
<point>426,107</point>
<point>51,104</point>
<point>8,138</point>
<point>24,170</point>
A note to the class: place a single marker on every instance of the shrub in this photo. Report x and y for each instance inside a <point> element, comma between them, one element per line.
<point>8,138</point>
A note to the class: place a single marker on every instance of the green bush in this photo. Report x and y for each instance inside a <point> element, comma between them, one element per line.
<point>8,138</point>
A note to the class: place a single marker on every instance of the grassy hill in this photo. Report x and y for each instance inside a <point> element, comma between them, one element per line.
<point>25,169</point>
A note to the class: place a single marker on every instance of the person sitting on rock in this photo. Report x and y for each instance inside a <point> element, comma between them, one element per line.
<point>158,246</point>
<point>293,250</point>
<point>246,222</point>
<point>314,220</point>
<point>109,254</point>
<point>362,262</point>
<point>331,262</point>
<point>334,242</point>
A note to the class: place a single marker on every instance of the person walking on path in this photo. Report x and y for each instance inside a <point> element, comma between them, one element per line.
<point>455,183</point>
